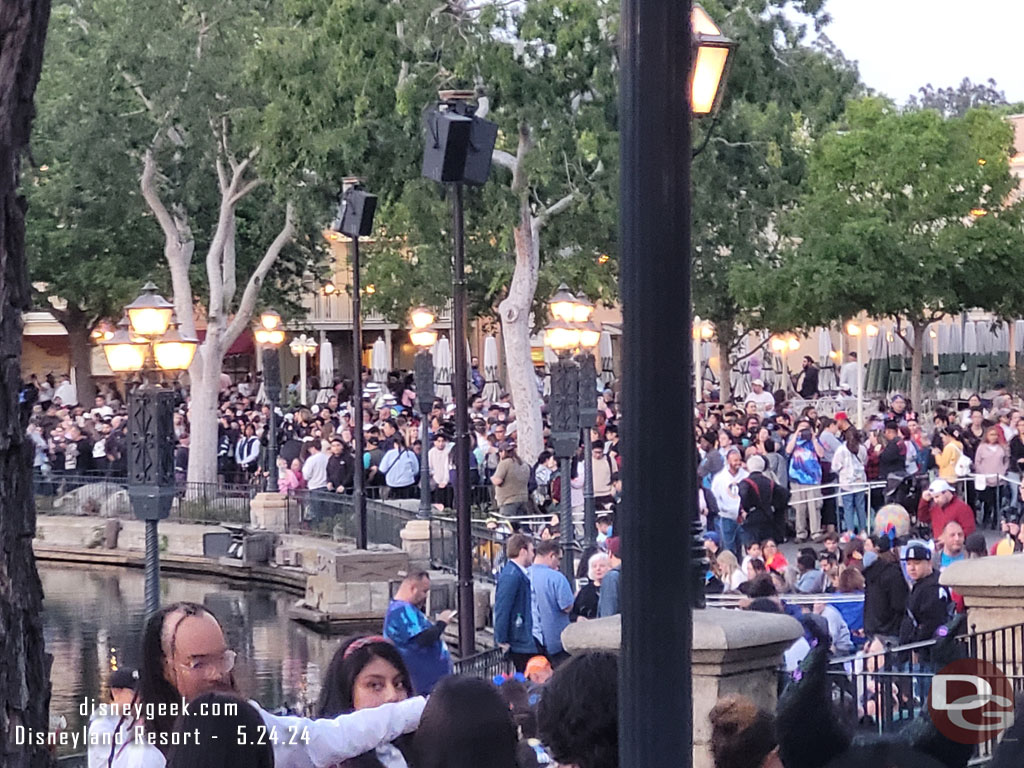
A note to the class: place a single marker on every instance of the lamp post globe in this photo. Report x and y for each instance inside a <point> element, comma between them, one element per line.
<point>712,59</point>
<point>150,314</point>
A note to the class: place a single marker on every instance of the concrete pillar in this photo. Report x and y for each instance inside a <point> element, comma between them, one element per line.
<point>269,512</point>
<point>733,652</point>
<point>416,543</point>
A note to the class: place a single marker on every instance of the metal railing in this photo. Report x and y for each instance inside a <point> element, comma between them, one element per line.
<point>488,548</point>
<point>101,496</point>
<point>486,664</point>
<point>883,691</point>
<point>333,515</point>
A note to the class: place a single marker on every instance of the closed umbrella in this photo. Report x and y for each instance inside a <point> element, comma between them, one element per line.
<point>326,371</point>
<point>443,369</point>
<point>827,377</point>
<point>741,373</point>
<point>492,389</point>
<point>550,358</point>
<point>876,377</point>
<point>970,357</point>
<point>604,349</point>
<point>379,366</point>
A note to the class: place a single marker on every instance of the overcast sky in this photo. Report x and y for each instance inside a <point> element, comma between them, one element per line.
<point>900,45</point>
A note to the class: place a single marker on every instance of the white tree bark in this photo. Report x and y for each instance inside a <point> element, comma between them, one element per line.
<point>515,311</point>
<point>222,325</point>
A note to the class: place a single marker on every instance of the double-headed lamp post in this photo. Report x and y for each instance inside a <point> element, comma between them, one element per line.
<point>301,346</point>
<point>149,343</point>
<point>855,330</point>
<point>573,406</point>
<point>269,335</point>
<point>424,336</point>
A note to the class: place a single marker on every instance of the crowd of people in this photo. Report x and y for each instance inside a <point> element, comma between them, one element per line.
<point>315,453</point>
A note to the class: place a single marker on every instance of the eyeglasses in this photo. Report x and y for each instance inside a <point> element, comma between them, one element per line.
<point>219,662</point>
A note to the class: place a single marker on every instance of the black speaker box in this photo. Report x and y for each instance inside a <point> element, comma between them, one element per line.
<point>482,137</point>
<point>446,146</point>
<point>357,212</point>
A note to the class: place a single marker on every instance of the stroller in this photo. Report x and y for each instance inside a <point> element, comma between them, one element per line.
<point>906,491</point>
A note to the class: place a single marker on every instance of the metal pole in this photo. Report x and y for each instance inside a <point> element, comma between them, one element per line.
<point>358,494</point>
<point>152,568</point>
<point>659,478</point>
<point>565,520</point>
<point>424,377</point>
<point>424,511</point>
<point>589,509</point>
<point>302,377</point>
<point>587,398</point>
<point>860,377</point>
<point>272,387</point>
<point>467,624</point>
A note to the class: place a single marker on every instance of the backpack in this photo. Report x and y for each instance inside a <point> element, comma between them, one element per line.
<point>963,465</point>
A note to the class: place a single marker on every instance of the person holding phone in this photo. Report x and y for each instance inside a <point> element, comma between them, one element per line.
<point>419,641</point>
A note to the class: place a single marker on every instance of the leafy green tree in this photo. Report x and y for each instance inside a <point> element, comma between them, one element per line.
<point>781,95</point>
<point>160,144</point>
<point>346,82</point>
<point>886,225</point>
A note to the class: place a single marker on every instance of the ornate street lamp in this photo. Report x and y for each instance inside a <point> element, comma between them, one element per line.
<point>711,62</point>
<point>269,335</point>
<point>590,336</point>
<point>301,346</point>
<point>424,336</point>
<point>149,342</point>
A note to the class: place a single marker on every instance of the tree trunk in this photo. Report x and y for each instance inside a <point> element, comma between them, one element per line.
<point>76,323</point>
<point>515,313</point>
<point>24,664</point>
<point>916,358</point>
<point>205,389</point>
<point>724,368</point>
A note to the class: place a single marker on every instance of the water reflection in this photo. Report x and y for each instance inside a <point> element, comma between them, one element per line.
<point>93,619</point>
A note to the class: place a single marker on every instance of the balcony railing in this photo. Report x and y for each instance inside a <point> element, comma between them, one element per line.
<point>336,309</point>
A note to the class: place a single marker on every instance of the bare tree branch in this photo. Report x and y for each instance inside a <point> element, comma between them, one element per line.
<point>504,159</point>
<point>252,288</point>
<point>152,198</point>
<point>555,209</point>
<point>245,190</point>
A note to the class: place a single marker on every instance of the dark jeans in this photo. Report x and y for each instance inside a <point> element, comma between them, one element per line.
<point>519,660</point>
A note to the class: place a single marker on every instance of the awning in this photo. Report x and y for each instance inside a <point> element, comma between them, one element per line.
<point>244,344</point>
<point>42,324</point>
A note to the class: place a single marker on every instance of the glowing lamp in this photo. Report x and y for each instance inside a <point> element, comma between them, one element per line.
<point>562,304</point>
<point>590,336</point>
<point>150,314</point>
<point>174,351</point>
<point>125,353</point>
<point>561,336</point>
<point>423,338</point>
<point>421,318</point>
<point>712,59</point>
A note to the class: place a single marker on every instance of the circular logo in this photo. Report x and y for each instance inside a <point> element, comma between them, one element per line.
<point>971,701</point>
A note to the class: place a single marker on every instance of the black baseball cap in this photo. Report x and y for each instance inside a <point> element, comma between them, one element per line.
<point>917,551</point>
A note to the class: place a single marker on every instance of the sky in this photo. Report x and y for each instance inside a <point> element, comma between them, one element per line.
<point>901,45</point>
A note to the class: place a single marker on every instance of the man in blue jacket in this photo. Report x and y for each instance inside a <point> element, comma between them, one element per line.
<point>513,604</point>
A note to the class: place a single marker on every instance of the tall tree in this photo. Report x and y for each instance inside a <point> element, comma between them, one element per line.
<point>180,138</point>
<point>347,84</point>
<point>24,664</point>
<point>902,192</point>
<point>782,93</point>
<point>954,102</point>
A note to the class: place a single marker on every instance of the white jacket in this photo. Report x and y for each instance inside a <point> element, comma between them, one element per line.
<point>317,743</point>
<point>850,468</point>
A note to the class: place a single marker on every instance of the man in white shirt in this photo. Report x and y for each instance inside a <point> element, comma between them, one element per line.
<point>849,373</point>
<point>764,400</point>
<point>725,488</point>
<point>66,392</point>
<point>186,656</point>
<point>314,471</point>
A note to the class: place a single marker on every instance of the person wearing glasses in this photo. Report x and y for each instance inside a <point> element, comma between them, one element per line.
<point>184,656</point>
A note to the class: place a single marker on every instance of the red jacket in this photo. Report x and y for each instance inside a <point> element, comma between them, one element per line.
<point>930,512</point>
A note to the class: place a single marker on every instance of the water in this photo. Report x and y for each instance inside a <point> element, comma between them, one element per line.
<point>93,619</point>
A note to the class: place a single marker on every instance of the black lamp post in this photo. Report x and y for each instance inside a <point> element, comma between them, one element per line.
<point>270,336</point>
<point>423,336</point>
<point>457,151</point>
<point>149,343</point>
<point>588,419</point>
<point>355,219</point>
<point>564,410</point>
<point>659,475</point>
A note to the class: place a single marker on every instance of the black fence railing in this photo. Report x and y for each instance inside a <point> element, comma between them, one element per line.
<point>486,664</point>
<point>333,515</point>
<point>882,692</point>
<point>488,548</point>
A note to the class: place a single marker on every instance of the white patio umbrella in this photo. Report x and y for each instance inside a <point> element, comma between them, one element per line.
<point>827,375</point>
<point>492,388</point>
<point>443,369</point>
<point>740,377</point>
<point>379,361</point>
<point>326,371</point>
<point>604,351</point>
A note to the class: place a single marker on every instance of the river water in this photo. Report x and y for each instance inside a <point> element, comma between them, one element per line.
<point>93,619</point>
